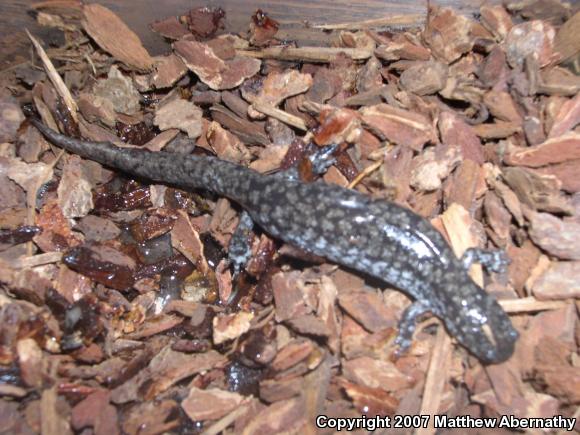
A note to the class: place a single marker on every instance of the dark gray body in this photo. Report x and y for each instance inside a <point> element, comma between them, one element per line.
<point>375,237</point>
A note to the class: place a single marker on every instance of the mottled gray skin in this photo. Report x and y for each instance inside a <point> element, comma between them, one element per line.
<point>377,238</point>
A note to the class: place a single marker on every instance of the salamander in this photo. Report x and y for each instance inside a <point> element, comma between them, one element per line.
<point>374,237</point>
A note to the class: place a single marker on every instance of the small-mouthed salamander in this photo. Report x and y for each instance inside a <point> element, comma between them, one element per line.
<point>374,237</point>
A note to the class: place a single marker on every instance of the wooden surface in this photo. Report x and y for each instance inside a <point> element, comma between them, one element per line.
<point>15,15</point>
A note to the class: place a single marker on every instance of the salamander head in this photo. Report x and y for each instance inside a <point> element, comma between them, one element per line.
<point>479,323</point>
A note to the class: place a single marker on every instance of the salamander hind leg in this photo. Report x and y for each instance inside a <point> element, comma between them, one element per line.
<point>239,251</point>
<point>407,325</point>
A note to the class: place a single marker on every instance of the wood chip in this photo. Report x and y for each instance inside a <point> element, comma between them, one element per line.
<point>213,71</point>
<point>308,54</point>
<point>113,36</point>
<point>556,236</point>
<point>397,125</point>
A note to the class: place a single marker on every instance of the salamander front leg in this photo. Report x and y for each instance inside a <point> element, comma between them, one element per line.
<point>407,325</point>
<point>323,159</point>
<point>239,248</point>
<point>494,261</point>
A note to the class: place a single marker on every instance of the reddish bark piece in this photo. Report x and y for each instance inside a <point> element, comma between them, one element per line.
<point>222,48</point>
<point>568,117</point>
<point>399,47</point>
<point>464,185</point>
<point>13,419</point>
<point>556,324</point>
<point>369,78</point>
<point>433,166</point>
<point>155,325</point>
<point>226,145</point>
<point>91,354</point>
<point>560,281</point>
<point>165,369</point>
<point>533,38</point>
<point>262,255</point>
<point>566,173</point>
<point>275,390</point>
<point>399,126</point>
<point>371,401</point>
<point>262,28</point>
<point>288,296</point>
<point>399,160</point>
<point>280,134</point>
<point>151,418</point>
<point>168,70</point>
<point>424,78</point>
<point>523,260</point>
<point>210,404</point>
<point>260,345</point>
<point>186,239</point>
<point>118,91</point>
<point>288,416</point>
<point>230,326</point>
<point>30,285</point>
<point>553,371</point>
<point>75,190</point>
<point>30,362</point>
<point>373,373</point>
<point>560,81</point>
<point>95,411</point>
<point>334,176</point>
<point>180,114</point>
<point>113,36</point>
<point>541,192</point>
<point>104,264</point>
<point>293,353</point>
<point>153,223</point>
<point>96,108</point>
<point>72,285</point>
<point>496,19</point>
<point>10,119</point>
<point>502,106</point>
<point>170,28</point>
<point>29,176</point>
<point>251,133</point>
<point>274,88</point>
<point>367,308</point>
<point>556,236</point>
<point>458,134</point>
<point>337,126</point>
<point>494,68</point>
<point>212,70</point>
<point>309,324</point>
<point>56,232</point>
<point>498,217</point>
<point>447,34</point>
<point>52,421</point>
<point>497,129</point>
<point>527,404</point>
<point>12,202</point>
<point>556,150</point>
<point>97,228</point>
<point>205,21</point>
